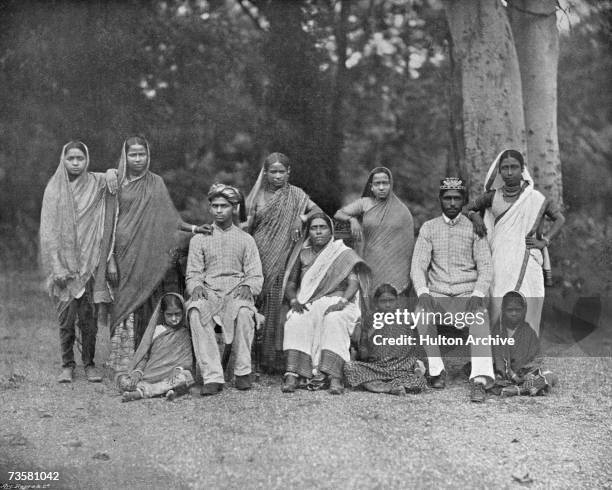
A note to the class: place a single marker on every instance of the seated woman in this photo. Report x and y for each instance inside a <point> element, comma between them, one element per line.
<point>164,359</point>
<point>322,290</point>
<point>392,369</point>
<point>516,369</point>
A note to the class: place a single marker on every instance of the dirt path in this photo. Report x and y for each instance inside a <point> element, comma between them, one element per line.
<point>265,439</point>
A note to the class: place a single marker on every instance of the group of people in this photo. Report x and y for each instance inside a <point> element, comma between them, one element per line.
<point>269,266</point>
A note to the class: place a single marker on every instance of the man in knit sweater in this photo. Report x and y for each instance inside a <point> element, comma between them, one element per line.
<point>451,272</point>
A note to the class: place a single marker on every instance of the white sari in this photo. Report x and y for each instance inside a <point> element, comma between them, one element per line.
<point>515,268</point>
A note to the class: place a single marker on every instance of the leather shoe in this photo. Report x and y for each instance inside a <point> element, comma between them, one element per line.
<point>212,389</point>
<point>66,375</point>
<point>438,382</point>
<point>243,382</point>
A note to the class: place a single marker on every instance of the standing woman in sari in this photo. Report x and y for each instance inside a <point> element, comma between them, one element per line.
<point>385,227</point>
<point>71,227</point>
<point>513,210</point>
<point>277,211</point>
<point>140,246</point>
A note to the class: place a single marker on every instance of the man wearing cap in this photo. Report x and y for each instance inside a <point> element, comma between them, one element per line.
<point>451,272</point>
<point>223,277</point>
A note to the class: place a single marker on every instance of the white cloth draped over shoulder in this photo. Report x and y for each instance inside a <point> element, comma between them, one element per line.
<point>515,268</point>
<point>317,271</point>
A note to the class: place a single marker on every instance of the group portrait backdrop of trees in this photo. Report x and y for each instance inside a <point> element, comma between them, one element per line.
<point>427,88</point>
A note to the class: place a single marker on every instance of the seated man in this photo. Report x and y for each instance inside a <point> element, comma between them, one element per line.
<point>451,271</point>
<point>223,275</point>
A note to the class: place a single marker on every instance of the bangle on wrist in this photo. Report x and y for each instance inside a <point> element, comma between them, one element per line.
<point>293,301</point>
<point>193,228</point>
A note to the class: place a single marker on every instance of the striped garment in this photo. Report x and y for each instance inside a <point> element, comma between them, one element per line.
<point>450,259</point>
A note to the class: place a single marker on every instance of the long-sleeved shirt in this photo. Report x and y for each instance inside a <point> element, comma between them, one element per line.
<point>223,261</point>
<point>450,259</point>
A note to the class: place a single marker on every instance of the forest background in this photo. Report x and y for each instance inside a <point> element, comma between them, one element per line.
<point>340,86</point>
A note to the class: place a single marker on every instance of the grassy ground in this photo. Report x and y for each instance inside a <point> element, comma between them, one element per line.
<point>265,439</point>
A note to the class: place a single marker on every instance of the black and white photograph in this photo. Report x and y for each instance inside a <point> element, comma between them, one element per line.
<point>305,244</point>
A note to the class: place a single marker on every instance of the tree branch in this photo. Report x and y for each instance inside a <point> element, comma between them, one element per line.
<point>248,12</point>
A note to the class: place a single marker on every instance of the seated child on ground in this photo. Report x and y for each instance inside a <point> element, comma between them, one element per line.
<point>390,368</point>
<point>516,369</point>
<point>163,361</point>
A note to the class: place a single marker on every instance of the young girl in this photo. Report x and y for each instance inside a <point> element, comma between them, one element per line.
<point>164,359</point>
<point>71,225</point>
<point>390,368</point>
<point>516,369</point>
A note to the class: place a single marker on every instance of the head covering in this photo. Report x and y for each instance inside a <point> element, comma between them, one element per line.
<point>367,190</point>
<point>452,184</point>
<point>122,167</point>
<point>71,227</point>
<point>495,181</point>
<point>144,236</point>
<point>231,194</point>
<point>388,232</point>
<point>260,184</point>
<point>514,296</point>
<point>322,216</point>
<point>174,346</point>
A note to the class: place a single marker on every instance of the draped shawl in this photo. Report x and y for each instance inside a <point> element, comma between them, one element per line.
<point>333,264</point>
<point>515,267</point>
<point>71,228</point>
<point>388,235</point>
<point>272,224</point>
<point>145,237</point>
<point>157,357</point>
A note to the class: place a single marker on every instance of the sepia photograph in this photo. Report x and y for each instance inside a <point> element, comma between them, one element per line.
<point>305,244</point>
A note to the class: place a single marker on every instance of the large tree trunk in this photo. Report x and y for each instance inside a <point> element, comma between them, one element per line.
<point>534,25</point>
<point>491,84</point>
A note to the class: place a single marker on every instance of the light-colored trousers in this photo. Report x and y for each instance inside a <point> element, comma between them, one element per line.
<point>482,362</point>
<point>207,352</point>
<point>312,331</point>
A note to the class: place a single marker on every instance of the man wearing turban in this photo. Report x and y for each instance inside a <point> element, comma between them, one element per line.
<point>223,276</point>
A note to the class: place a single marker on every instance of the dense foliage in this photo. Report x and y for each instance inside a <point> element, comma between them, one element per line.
<point>340,86</point>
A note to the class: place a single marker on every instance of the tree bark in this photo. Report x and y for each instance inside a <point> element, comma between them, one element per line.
<point>534,26</point>
<point>491,84</point>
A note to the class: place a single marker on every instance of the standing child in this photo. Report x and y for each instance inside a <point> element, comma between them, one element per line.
<point>71,226</point>
<point>390,368</point>
<point>163,361</point>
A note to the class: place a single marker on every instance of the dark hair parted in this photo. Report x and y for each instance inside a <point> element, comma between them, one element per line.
<point>76,145</point>
<point>517,155</point>
<point>136,140</point>
<point>277,158</point>
<point>385,289</point>
<point>322,216</point>
<point>170,300</point>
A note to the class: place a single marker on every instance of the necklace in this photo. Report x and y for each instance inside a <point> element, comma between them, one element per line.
<point>511,191</point>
